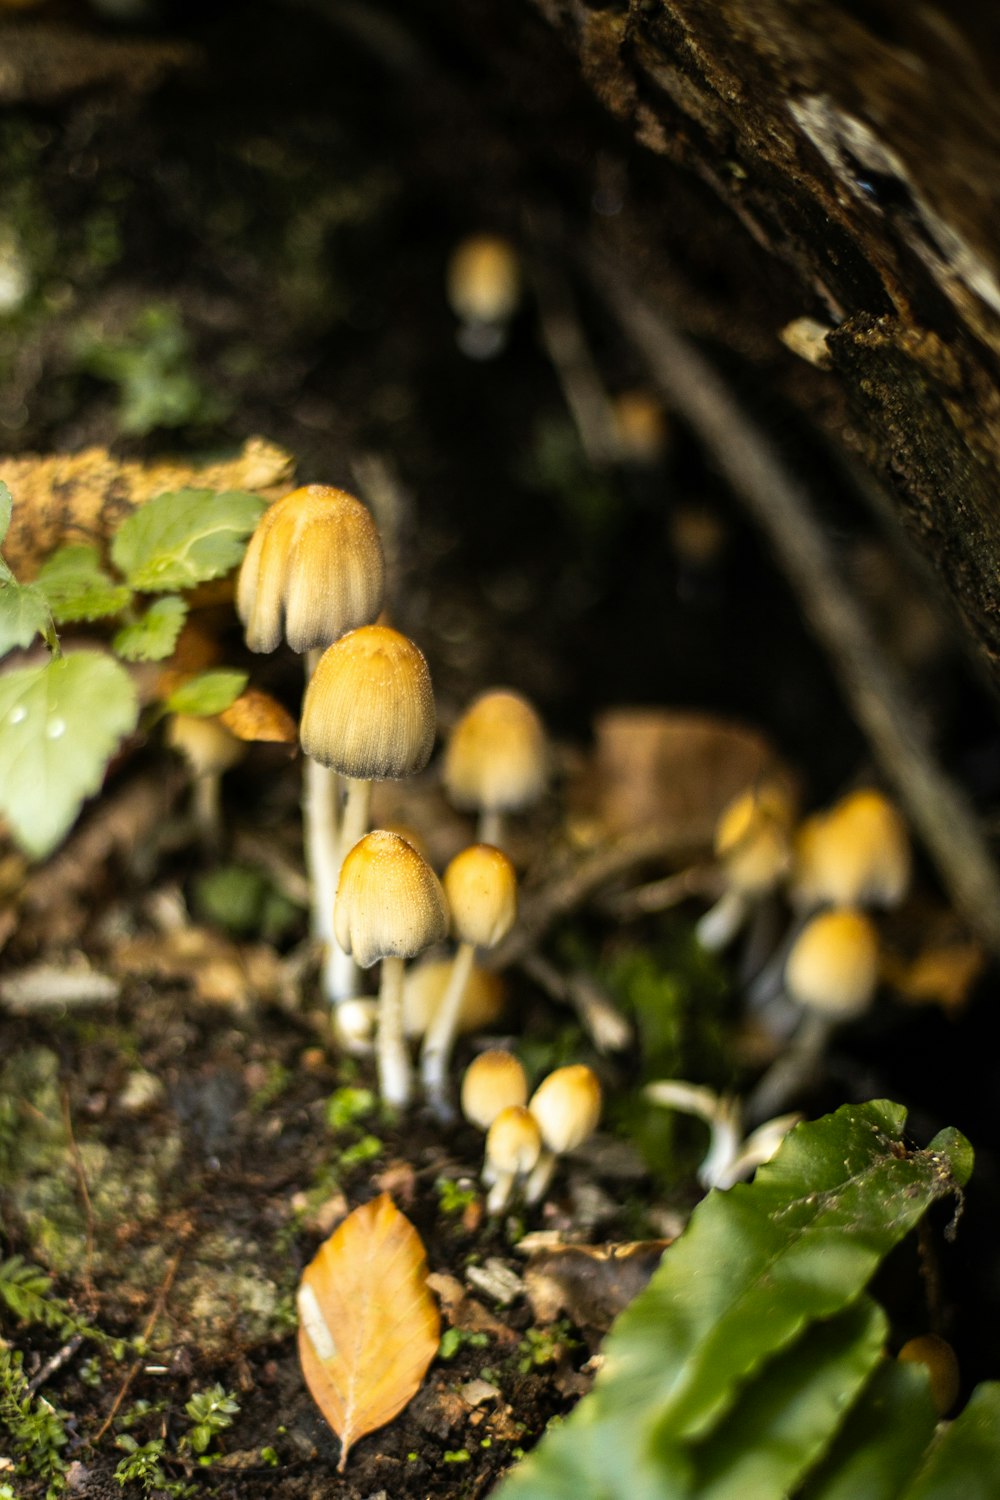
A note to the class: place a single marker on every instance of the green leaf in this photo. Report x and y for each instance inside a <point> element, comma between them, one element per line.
<point>965,1461</point>
<point>785,1421</point>
<point>207,694</point>
<point>177,540</point>
<point>756,1266</point>
<point>6,510</point>
<point>59,726</point>
<point>883,1440</point>
<point>78,588</point>
<point>24,613</point>
<point>154,635</point>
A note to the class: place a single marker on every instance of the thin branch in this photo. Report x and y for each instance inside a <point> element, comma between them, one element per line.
<point>782,507</point>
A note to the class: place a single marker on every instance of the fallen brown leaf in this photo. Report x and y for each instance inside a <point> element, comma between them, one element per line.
<point>591,1284</point>
<point>369,1326</point>
<point>83,497</point>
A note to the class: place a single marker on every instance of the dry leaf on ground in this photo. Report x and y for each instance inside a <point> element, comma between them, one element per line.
<point>369,1326</point>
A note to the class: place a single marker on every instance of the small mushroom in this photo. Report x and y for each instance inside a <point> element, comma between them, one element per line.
<point>425,984</point>
<point>209,749</point>
<point>938,1358</point>
<point>513,1150</point>
<point>855,854</point>
<point>753,847</point>
<point>368,714</point>
<point>567,1106</point>
<point>481,890</point>
<point>831,973</point>
<point>496,761</point>
<point>484,287</point>
<point>390,906</point>
<point>493,1081</point>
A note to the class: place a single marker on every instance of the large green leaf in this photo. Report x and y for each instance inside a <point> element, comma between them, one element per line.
<point>883,1440</point>
<point>78,588</point>
<point>756,1266</point>
<point>59,725</point>
<point>964,1464</point>
<point>24,613</point>
<point>784,1421</point>
<point>6,509</point>
<point>177,540</point>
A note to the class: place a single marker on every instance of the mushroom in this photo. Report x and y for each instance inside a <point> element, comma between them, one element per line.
<point>389,906</point>
<point>855,854</point>
<point>497,760</point>
<point>369,715</point>
<point>938,1358</point>
<point>484,286</point>
<point>730,1157</point>
<point>493,1081</point>
<point>753,847</point>
<point>481,889</point>
<point>513,1149</point>
<point>831,973</point>
<point>426,982</point>
<point>567,1107</point>
<point>209,749</point>
<point>313,569</point>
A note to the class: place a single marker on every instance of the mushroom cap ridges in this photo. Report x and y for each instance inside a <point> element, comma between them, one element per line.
<point>369,707</point>
<point>833,964</point>
<point>389,904</point>
<point>481,888</point>
<point>497,757</point>
<point>313,570</point>
<point>513,1141</point>
<point>567,1106</point>
<point>857,851</point>
<point>493,1081</point>
<point>753,837</point>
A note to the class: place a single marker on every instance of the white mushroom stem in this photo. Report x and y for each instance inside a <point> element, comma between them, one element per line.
<point>720,924</point>
<point>790,1073</point>
<point>320,824</point>
<point>206,805</point>
<point>721,1114</point>
<point>395,1076</point>
<point>538,1183</point>
<point>356,815</point>
<point>341,975</point>
<point>440,1037</point>
<point>490,828</point>
<point>499,1194</point>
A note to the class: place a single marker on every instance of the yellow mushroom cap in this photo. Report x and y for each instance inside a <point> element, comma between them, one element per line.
<point>494,1081</point>
<point>942,1367</point>
<point>833,963</point>
<point>206,744</point>
<point>389,901</point>
<point>483,281</point>
<point>858,852</point>
<point>497,757</point>
<point>513,1142</point>
<point>567,1106</point>
<point>314,569</point>
<point>481,888</point>
<point>753,838</point>
<point>369,707</point>
<point>425,984</point>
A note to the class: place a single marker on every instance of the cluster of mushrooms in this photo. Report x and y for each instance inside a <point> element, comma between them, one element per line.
<point>314,576</point>
<point>834,869</point>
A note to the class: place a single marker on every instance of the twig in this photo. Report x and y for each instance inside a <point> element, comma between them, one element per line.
<point>88,1207</point>
<point>663,895</point>
<point>137,1364</point>
<point>601,1020</point>
<point>55,1362</point>
<point>782,507</point>
<point>583,391</point>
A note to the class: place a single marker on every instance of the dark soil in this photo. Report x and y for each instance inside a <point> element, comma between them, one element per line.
<point>288,200</point>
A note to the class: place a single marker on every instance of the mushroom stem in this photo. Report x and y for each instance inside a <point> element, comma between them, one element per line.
<point>538,1183</point>
<point>499,1194</point>
<point>320,818</point>
<point>491,827</point>
<point>341,975</point>
<point>357,807</point>
<point>790,1073</point>
<point>720,924</point>
<point>206,805</point>
<point>395,1076</point>
<point>440,1036</point>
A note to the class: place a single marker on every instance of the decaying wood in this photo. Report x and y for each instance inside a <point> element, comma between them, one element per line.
<point>83,497</point>
<point>855,151</point>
